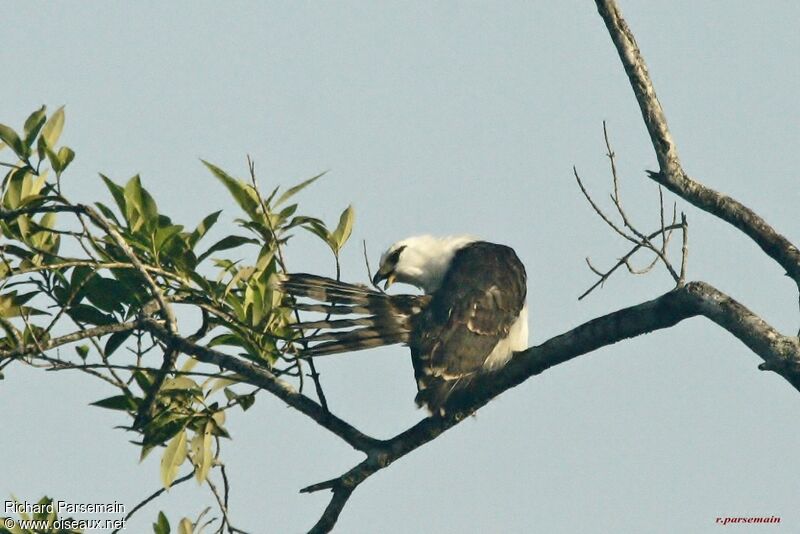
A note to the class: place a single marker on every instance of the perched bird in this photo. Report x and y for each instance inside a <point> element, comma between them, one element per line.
<point>470,319</point>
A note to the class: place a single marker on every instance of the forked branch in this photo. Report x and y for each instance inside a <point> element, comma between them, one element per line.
<point>780,353</point>
<point>671,174</point>
<point>628,231</point>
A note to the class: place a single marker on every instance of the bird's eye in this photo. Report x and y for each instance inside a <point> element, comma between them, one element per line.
<point>394,257</point>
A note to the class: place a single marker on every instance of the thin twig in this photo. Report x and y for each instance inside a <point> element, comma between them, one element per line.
<point>12,331</point>
<point>224,509</point>
<point>671,174</point>
<point>692,299</point>
<point>684,249</point>
<point>622,261</point>
<point>641,240</point>
<point>152,496</point>
<point>259,376</point>
<point>600,212</point>
<point>369,271</point>
<point>315,377</point>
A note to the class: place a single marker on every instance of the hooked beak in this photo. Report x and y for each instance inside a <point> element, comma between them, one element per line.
<point>388,276</point>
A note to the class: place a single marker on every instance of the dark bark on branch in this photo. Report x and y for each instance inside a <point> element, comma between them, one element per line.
<point>97,331</point>
<point>671,175</point>
<point>341,494</point>
<point>262,377</point>
<point>99,221</point>
<point>781,353</point>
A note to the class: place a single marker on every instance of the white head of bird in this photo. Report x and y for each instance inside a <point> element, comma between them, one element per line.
<point>420,261</point>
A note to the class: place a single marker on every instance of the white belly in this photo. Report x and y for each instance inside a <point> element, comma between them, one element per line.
<point>516,341</point>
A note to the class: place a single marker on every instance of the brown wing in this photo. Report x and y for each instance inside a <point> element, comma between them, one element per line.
<point>480,298</point>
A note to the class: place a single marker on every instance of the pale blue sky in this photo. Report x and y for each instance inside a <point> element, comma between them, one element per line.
<point>444,118</point>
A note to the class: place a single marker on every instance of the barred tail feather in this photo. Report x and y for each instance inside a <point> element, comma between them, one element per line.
<point>319,287</point>
<point>335,323</point>
<point>386,319</point>
<point>352,345</point>
<point>356,334</point>
<point>332,309</point>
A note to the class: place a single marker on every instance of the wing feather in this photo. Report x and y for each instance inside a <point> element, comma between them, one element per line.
<point>479,300</point>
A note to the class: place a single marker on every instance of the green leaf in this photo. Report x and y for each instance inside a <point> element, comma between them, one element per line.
<point>188,365</point>
<point>136,288</point>
<point>53,127</point>
<point>203,228</point>
<point>83,351</point>
<point>180,382</point>
<point>41,149</point>
<point>202,453</point>
<point>143,379</point>
<point>242,193</point>
<point>172,459</point>
<point>319,230</point>
<point>161,526</point>
<point>233,340</point>
<point>107,294</point>
<point>139,203</point>
<point>117,192</point>
<point>163,427</point>
<point>32,185</point>
<point>115,341</point>
<point>123,403</point>
<point>42,238</point>
<point>65,157</point>
<point>11,305</point>
<point>89,314</point>
<point>10,137</point>
<point>289,193</point>
<point>219,430</point>
<point>220,383</point>
<point>80,274</point>
<point>13,188</point>
<point>271,195</point>
<point>107,213</point>
<point>302,219</point>
<point>54,160</point>
<point>285,213</point>
<point>164,234</point>
<point>246,401</point>
<point>232,241</point>
<point>33,125</point>
<point>344,228</point>
<point>21,298</point>
<point>48,220</point>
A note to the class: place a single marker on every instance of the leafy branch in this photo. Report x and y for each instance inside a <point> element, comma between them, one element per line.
<point>111,277</point>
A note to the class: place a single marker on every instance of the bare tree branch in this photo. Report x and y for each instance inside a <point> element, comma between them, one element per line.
<point>672,175</point>
<point>154,495</point>
<point>68,338</point>
<point>622,261</point>
<point>315,376</point>
<point>781,354</point>
<point>261,377</point>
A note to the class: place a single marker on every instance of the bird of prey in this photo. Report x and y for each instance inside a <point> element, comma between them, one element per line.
<point>470,319</point>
